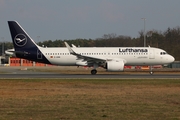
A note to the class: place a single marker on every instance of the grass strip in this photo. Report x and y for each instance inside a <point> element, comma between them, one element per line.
<point>54,99</point>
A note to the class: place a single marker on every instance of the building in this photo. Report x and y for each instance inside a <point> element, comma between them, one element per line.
<point>14,61</point>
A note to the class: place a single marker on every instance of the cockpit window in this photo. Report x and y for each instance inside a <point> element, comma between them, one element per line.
<point>163,53</point>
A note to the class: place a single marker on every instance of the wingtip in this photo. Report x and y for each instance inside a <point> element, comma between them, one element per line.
<point>67,45</point>
<point>69,48</point>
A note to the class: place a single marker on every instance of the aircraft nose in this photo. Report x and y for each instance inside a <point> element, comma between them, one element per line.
<point>171,59</point>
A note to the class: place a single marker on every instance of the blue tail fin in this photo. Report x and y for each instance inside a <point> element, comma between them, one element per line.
<point>20,38</point>
<point>24,46</point>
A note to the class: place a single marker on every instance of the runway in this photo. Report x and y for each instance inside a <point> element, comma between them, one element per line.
<point>87,76</point>
<point>43,73</point>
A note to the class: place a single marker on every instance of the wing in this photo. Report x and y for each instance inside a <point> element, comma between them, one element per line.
<point>90,60</point>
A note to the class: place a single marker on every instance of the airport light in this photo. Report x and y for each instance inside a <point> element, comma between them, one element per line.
<point>144,31</point>
<point>38,38</point>
<point>2,46</point>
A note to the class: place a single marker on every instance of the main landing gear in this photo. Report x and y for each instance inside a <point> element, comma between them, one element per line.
<point>93,72</point>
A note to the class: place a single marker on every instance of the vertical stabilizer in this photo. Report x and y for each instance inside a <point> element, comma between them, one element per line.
<point>24,46</point>
<point>20,38</point>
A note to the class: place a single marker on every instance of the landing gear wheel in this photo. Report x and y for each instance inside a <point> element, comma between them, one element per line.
<point>93,72</point>
<point>151,73</point>
<point>151,70</point>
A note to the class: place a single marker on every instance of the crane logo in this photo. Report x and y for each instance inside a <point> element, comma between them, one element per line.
<point>20,40</point>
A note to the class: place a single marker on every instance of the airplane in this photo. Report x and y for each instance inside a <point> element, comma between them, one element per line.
<point>10,52</point>
<point>111,58</point>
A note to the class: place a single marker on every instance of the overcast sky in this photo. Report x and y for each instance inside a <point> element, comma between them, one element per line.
<point>71,19</point>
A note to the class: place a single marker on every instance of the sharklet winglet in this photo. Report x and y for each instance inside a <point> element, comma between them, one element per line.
<point>69,48</point>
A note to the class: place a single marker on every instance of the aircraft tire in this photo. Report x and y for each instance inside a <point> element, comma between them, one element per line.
<point>93,72</point>
<point>151,73</point>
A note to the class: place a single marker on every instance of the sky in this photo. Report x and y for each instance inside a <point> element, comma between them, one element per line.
<point>87,19</point>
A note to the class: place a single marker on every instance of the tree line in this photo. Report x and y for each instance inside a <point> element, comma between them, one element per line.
<point>168,40</point>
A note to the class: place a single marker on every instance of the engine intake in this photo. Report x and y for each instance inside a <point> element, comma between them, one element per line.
<point>115,65</point>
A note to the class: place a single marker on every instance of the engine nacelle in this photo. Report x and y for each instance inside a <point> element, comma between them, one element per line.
<point>115,65</point>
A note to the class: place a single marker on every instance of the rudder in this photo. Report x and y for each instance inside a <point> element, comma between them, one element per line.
<point>20,38</point>
<point>24,46</point>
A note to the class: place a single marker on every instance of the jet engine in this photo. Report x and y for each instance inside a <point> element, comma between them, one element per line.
<point>115,65</point>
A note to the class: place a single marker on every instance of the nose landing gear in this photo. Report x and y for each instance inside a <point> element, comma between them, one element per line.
<point>151,72</point>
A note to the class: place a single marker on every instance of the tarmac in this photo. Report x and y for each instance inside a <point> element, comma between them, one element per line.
<point>61,72</point>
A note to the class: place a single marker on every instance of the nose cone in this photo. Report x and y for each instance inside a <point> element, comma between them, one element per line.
<point>171,59</point>
<point>168,59</point>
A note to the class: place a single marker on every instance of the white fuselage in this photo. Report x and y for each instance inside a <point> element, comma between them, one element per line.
<point>110,58</point>
<point>131,55</point>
